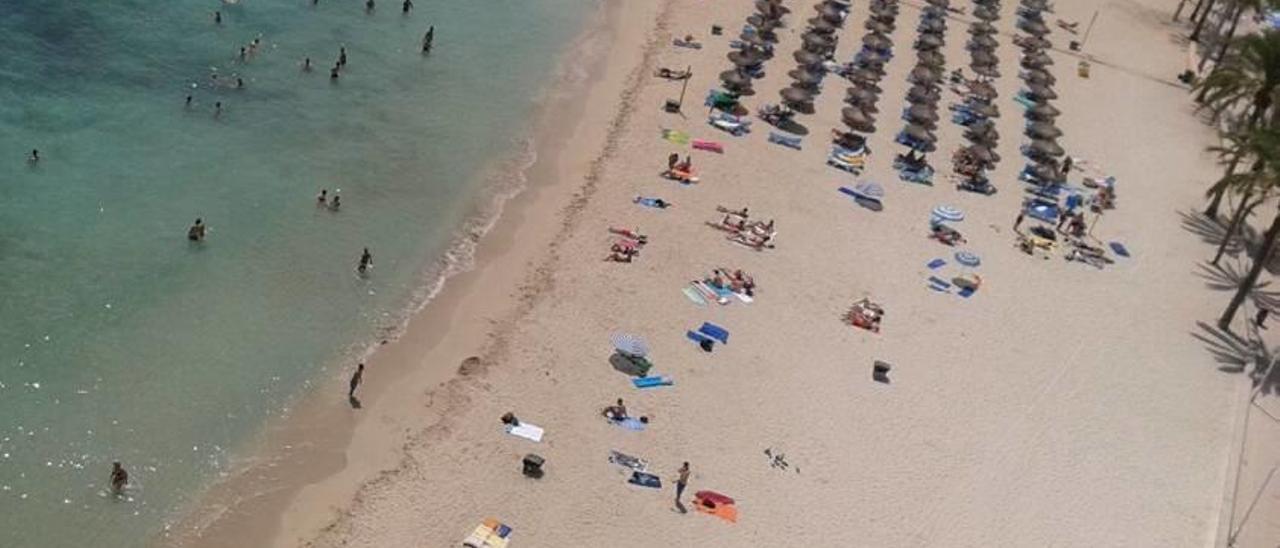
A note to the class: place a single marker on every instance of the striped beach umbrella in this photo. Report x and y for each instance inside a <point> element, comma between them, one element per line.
<point>967,259</point>
<point>947,213</point>
<point>631,345</point>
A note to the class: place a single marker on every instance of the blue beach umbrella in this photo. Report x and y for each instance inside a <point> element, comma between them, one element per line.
<point>967,259</point>
<point>631,345</point>
<point>947,213</point>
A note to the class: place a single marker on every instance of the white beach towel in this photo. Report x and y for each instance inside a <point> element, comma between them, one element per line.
<point>527,431</point>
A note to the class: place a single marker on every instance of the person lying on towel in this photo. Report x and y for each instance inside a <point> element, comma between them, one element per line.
<point>616,412</point>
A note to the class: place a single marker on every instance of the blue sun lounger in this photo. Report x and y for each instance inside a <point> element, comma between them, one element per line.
<point>792,141</point>
<point>715,332</point>
<point>652,382</point>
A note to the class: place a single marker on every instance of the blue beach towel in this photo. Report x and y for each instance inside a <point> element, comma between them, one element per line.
<point>967,292</point>
<point>651,382</point>
<point>715,332</point>
<point>936,264</point>
<point>650,202</point>
<point>698,337</point>
<point>1120,249</point>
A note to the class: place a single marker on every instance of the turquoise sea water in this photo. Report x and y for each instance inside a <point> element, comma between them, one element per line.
<point>119,340</point>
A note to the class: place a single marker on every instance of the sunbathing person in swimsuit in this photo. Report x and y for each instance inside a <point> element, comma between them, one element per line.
<point>616,412</point>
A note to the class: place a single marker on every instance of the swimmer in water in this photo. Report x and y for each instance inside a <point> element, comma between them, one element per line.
<point>34,158</point>
<point>368,6</point>
<point>408,5</point>
<point>336,203</point>
<point>239,83</point>
<point>322,197</point>
<point>306,65</point>
<point>217,18</point>
<point>188,101</point>
<point>217,109</point>
<point>333,73</point>
<point>119,479</point>
<point>428,38</point>
<point>243,53</point>
<point>342,57</point>
<point>366,261</point>
<point>196,232</point>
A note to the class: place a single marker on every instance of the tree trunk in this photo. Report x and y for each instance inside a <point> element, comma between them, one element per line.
<point>1195,34</point>
<point>1196,12</point>
<point>1212,211</point>
<point>1242,211</point>
<point>1226,40</point>
<point>1177,12</point>
<point>1251,279</point>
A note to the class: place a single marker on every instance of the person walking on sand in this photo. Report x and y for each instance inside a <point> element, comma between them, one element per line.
<point>682,481</point>
<point>366,261</point>
<point>119,479</point>
<point>356,379</point>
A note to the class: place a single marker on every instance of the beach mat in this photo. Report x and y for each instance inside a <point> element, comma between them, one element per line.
<point>527,431</point>
<point>645,479</point>
<point>694,296</point>
<point>936,264</point>
<point>652,382</point>
<point>715,332</point>
<point>630,423</point>
<point>627,461</point>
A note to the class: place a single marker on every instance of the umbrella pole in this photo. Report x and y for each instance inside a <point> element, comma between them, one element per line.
<point>688,76</point>
<point>1089,30</point>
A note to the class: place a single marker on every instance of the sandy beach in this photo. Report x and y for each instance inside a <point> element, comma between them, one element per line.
<point>1059,405</point>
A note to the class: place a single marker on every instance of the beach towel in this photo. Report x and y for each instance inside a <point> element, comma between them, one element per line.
<point>709,146</point>
<point>649,202</point>
<point>716,504</point>
<point>645,479</point>
<point>709,293</point>
<point>936,264</point>
<point>489,534</point>
<point>694,296</point>
<point>714,331</point>
<point>678,137</point>
<point>629,423</point>
<point>967,292</point>
<point>652,382</point>
<point>700,339</point>
<point>527,431</point>
<point>627,461</point>
<point>746,299</point>
<point>1119,249</point>
<point>939,284</point>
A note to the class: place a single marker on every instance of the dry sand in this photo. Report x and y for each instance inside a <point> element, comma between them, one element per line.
<point>1060,405</point>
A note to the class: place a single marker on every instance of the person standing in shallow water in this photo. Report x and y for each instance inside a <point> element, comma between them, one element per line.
<point>428,38</point>
<point>368,6</point>
<point>342,57</point>
<point>408,5</point>
<point>366,261</point>
<point>196,232</point>
<point>119,479</point>
<point>356,379</point>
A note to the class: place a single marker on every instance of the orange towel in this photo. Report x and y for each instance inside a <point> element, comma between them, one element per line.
<point>727,512</point>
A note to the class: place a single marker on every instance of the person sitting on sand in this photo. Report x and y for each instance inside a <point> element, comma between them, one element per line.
<point>616,412</point>
<point>196,232</point>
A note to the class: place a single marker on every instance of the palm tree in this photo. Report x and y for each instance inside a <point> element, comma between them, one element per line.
<point>1248,79</point>
<point>1266,144</point>
<point>1204,16</point>
<point>1253,186</point>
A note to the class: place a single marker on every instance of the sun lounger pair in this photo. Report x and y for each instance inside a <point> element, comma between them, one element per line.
<point>792,141</point>
<point>709,333</point>
<point>489,534</point>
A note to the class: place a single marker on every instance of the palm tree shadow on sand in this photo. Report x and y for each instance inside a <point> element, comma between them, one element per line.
<point>1237,355</point>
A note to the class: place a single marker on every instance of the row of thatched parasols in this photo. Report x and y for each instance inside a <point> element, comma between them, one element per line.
<point>757,41</point>
<point>921,113</point>
<point>818,43</point>
<point>1043,149</point>
<point>868,68</point>
<point>981,130</point>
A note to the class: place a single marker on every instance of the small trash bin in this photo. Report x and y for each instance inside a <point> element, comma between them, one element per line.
<point>533,466</point>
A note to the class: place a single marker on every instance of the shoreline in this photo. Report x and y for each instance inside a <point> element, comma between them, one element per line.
<point>316,441</point>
